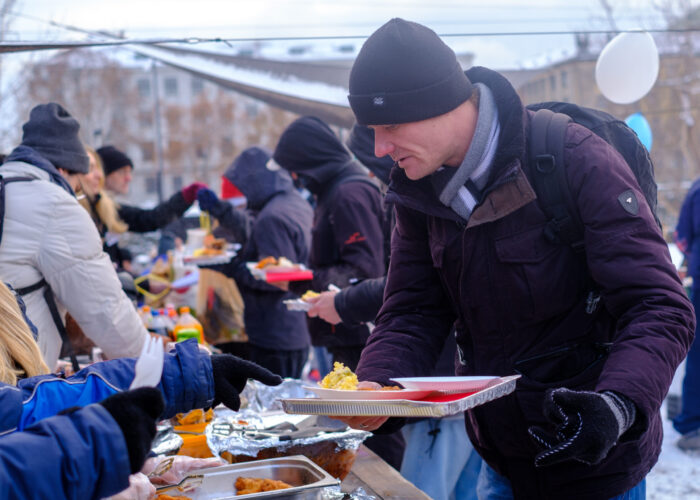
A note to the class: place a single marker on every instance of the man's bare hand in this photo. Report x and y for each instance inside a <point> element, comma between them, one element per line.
<point>364,423</point>
<point>323,307</point>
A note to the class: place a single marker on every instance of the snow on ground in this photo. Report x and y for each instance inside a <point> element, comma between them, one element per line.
<point>676,476</point>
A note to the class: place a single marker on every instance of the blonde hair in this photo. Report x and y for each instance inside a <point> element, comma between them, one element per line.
<point>103,209</point>
<point>19,352</point>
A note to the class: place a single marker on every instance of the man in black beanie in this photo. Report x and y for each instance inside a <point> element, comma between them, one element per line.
<point>51,252</point>
<point>117,168</point>
<point>469,249</point>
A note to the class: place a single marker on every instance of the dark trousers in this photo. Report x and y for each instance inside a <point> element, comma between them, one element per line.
<point>287,364</point>
<point>389,447</point>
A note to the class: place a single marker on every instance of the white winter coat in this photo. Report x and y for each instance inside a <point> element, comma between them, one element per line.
<point>47,234</point>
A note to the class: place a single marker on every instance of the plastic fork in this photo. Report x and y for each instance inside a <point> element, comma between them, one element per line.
<point>149,366</point>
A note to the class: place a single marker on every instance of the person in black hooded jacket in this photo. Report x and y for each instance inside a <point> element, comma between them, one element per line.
<point>360,301</point>
<point>278,338</point>
<point>347,238</point>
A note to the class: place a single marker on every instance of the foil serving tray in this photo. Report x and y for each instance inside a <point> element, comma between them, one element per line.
<point>399,407</point>
<point>307,479</point>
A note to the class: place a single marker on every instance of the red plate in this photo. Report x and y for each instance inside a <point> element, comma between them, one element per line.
<point>296,275</point>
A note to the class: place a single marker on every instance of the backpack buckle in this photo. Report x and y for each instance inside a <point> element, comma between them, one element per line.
<point>545,163</point>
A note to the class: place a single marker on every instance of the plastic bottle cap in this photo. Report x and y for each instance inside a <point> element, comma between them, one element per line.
<point>184,309</point>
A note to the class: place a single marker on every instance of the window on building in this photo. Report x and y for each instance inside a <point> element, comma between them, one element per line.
<point>151,185</point>
<point>144,87</point>
<point>177,183</point>
<point>552,83</point>
<point>147,151</point>
<point>197,86</point>
<point>227,146</point>
<point>251,109</point>
<point>146,119</point>
<point>564,79</point>
<point>170,86</point>
<point>200,152</point>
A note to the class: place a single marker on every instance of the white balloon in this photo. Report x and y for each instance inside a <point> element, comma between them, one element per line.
<point>627,67</point>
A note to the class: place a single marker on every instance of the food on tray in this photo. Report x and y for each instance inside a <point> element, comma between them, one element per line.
<point>328,455</point>
<point>248,485</point>
<point>194,417</point>
<point>165,496</point>
<point>212,247</point>
<point>309,294</point>
<point>341,378</point>
<point>273,262</point>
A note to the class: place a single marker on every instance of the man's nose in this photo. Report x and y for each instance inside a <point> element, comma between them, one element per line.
<point>382,146</point>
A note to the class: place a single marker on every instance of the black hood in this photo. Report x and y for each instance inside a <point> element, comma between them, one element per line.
<point>258,178</point>
<point>361,143</point>
<point>309,148</point>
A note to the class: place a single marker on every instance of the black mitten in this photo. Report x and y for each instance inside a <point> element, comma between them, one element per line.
<point>136,413</point>
<point>588,425</point>
<point>231,375</point>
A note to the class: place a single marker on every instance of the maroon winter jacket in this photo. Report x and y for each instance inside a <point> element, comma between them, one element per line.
<point>521,303</point>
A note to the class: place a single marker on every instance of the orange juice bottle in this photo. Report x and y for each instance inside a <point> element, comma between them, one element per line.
<point>187,327</point>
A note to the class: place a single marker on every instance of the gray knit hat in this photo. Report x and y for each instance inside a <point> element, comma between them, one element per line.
<point>405,73</point>
<point>53,133</point>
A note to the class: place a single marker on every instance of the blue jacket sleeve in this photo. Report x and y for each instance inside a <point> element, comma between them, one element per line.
<point>187,383</point>
<point>79,456</point>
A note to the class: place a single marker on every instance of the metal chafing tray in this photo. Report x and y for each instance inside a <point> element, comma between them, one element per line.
<point>308,480</point>
<point>399,407</point>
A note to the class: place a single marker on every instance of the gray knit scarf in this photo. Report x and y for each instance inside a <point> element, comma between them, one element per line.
<point>464,186</point>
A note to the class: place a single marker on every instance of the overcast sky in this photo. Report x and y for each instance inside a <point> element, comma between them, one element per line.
<point>298,18</point>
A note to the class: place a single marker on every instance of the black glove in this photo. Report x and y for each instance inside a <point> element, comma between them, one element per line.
<point>136,413</point>
<point>588,425</point>
<point>231,375</point>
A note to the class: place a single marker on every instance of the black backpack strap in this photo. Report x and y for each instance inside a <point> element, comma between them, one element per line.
<point>3,182</point>
<point>547,141</point>
<point>56,316</point>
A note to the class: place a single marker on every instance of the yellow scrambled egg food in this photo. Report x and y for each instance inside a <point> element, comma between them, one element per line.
<point>340,378</point>
<point>310,294</point>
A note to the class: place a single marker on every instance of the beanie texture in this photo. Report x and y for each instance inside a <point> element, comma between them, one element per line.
<point>113,159</point>
<point>53,133</point>
<point>405,73</point>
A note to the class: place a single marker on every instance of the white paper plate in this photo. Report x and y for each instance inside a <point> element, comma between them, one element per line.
<point>210,260</point>
<point>451,384</point>
<point>296,305</point>
<point>367,395</point>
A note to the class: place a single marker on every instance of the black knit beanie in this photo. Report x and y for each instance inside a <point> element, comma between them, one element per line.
<point>113,159</point>
<point>405,73</point>
<point>53,133</point>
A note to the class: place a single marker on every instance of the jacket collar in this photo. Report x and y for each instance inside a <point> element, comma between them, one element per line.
<point>30,156</point>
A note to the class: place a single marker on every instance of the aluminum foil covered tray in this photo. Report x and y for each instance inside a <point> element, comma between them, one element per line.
<point>262,430</point>
<point>400,407</point>
<point>308,481</point>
